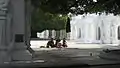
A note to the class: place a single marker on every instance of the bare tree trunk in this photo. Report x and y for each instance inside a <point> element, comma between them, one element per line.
<point>33,34</point>
<point>50,33</point>
<point>58,34</point>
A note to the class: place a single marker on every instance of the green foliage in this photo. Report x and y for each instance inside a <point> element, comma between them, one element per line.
<point>46,12</point>
<point>47,21</point>
<point>63,6</point>
<point>53,6</point>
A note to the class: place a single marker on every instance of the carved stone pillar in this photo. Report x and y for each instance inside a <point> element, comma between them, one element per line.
<point>19,51</point>
<point>4,53</point>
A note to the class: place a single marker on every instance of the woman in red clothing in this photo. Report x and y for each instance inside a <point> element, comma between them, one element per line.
<point>58,44</point>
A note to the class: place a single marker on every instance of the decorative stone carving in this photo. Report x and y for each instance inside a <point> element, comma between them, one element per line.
<point>13,32</point>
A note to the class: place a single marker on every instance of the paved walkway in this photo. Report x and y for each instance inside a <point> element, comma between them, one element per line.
<point>72,44</point>
<point>65,57</point>
<point>111,54</point>
<point>75,54</point>
<point>85,53</point>
<point>82,56</point>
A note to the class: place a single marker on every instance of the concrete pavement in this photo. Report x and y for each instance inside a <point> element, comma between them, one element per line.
<point>72,44</point>
<point>110,54</point>
<point>74,55</point>
<point>65,57</point>
<point>90,54</point>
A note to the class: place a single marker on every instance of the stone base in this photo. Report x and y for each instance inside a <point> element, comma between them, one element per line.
<point>4,57</point>
<point>21,55</point>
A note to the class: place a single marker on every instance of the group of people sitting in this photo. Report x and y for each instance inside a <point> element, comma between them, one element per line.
<point>57,44</point>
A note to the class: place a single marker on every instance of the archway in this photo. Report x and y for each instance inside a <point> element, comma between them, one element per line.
<point>98,33</point>
<point>118,32</point>
<point>79,36</point>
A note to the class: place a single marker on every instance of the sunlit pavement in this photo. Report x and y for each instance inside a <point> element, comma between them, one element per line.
<point>35,44</point>
<point>74,54</point>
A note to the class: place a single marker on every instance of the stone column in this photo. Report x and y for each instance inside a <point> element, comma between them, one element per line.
<point>19,51</point>
<point>4,53</point>
<point>57,34</point>
<point>50,34</point>
<point>28,11</point>
<point>53,34</point>
<point>3,48</point>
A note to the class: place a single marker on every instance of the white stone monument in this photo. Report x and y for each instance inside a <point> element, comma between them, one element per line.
<point>93,28</point>
<point>13,31</point>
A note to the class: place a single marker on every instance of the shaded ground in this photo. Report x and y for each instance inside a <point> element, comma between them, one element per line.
<point>71,56</point>
<point>75,55</point>
<point>65,57</point>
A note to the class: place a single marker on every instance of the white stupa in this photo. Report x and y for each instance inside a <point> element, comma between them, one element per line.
<point>92,28</point>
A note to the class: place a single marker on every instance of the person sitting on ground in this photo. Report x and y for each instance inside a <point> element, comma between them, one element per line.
<point>59,45</point>
<point>64,43</point>
<point>50,43</point>
<point>56,42</point>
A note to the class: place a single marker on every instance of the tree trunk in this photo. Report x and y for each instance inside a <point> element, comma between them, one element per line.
<point>50,33</point>
<point>58,34</point>
<point>33,34</point>
<point>68,26</point>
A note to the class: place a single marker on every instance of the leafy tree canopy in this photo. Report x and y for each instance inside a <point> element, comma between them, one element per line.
<point>78,6</point>
<point>46,12</point>
<point>47,21</point>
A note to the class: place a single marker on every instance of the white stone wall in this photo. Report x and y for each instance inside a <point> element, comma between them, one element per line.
<point>45,34</point>
<point>11,24</point>
<point>89,28</point>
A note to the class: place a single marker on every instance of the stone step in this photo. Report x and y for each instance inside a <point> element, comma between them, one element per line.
<point>2,13</point>
<point>21,55</point>
<point>2,18</point>
<point>3,9</point>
